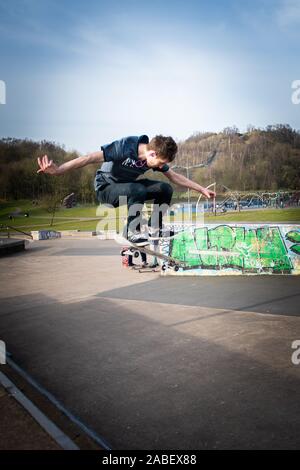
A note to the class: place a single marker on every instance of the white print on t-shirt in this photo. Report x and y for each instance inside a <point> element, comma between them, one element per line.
<point>134,163</point>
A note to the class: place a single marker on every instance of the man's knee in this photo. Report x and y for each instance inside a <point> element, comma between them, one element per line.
<point>138,195</point>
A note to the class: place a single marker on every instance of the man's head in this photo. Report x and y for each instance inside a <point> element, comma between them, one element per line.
<point>161,150</point>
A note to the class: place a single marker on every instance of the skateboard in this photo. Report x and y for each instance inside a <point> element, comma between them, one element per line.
<point>168,262</point>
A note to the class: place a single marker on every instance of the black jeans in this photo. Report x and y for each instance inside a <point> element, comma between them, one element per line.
<point>138,192</point>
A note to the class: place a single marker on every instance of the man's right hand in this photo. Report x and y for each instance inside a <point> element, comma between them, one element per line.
<point>47,167</point>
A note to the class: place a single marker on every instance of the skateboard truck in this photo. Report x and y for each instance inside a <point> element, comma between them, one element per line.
<point>127,257</point>
<point>133,251</point>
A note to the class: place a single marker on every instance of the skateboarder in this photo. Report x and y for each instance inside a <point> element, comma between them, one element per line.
<point>123,161</point>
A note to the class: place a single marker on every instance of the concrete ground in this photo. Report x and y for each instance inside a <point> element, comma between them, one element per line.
<point>154,362</point>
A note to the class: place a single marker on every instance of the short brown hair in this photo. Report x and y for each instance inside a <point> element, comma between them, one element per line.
<point>165,147</point>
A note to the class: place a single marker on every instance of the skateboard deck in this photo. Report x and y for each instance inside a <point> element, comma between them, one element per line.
<point>169,260</point>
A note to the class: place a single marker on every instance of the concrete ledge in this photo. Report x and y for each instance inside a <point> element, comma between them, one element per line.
<point>9,246</point>
<point>107,235</point>
<point>77,233</point>
<point>49,234</point>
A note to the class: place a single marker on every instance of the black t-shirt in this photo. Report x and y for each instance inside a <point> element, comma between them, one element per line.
<point>121,163</point>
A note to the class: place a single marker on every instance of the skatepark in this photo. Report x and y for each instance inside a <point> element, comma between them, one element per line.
<point>154,362</point>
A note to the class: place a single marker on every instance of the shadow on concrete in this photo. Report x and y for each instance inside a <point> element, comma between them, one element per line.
<point>143,384</point>
<point>30,249</point>
<point>278,295</point>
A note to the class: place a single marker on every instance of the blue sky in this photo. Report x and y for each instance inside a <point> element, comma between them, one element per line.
<point>84,73</point>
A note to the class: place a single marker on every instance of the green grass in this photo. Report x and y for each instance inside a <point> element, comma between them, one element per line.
<point>88,210</point>
<point>65,218</point>
<point>263,215</point>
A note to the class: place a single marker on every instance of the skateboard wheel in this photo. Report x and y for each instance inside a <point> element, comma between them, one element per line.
<point>136,254</point>
<point>122,252</point>
<point>176,268</point>
<point>164,267</point>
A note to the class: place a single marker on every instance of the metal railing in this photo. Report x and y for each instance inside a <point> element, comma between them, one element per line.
<point>9,228</point>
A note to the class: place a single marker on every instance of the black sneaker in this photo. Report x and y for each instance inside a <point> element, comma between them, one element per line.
<point>138,239</point>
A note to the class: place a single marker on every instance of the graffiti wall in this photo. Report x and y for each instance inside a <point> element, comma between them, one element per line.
<point>236,249</point>
<point>45,234</point>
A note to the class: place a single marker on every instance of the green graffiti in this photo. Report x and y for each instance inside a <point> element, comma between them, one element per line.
<point>293,236</point>
<point>295,249</point>
<point>182,249</point>
<point>246,249</point>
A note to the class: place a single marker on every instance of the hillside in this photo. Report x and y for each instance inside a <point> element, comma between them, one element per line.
<point>259,159</point>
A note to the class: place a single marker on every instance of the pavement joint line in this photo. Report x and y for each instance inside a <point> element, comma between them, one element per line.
<point>57,434</point>
<point>90,432</point>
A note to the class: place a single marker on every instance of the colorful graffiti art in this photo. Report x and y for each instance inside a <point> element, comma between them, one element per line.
<point>236,249</point>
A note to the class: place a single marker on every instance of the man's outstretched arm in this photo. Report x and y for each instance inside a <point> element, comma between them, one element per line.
<point>187,183</point>
<point>51,168</point>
